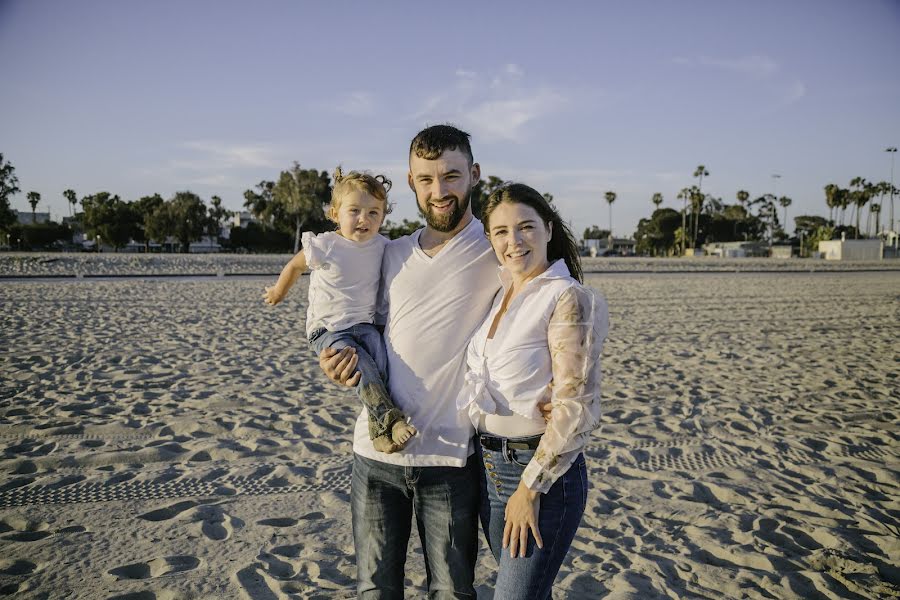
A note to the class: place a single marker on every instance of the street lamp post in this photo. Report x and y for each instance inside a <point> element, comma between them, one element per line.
<point>98,244</point>
<point>893,151</point>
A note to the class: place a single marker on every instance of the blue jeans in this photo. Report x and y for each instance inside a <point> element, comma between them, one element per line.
<point>383,500</point>
<point>372,366</point>
<point>560,514</point>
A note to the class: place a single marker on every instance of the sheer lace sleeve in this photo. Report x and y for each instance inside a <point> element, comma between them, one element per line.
<point>577,329</point>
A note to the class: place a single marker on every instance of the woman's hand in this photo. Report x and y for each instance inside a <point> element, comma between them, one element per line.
<point>521,517</point>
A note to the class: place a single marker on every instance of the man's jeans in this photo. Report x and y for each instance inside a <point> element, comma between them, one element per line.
<point>444,500</point>
<point>372,366</point>
<point>560,514</point>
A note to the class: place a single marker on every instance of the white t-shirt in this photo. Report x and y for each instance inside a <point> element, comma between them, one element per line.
<point>434,305</point>
<point>343,284</point>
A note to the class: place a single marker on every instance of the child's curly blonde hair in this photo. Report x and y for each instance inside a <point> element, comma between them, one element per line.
<point>376,186</point>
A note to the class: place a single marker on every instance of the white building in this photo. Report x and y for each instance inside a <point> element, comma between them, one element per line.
<point>852,249</point>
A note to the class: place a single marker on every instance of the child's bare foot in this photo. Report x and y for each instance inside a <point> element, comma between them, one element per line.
<point>401,432</point>
<point>384,443</point>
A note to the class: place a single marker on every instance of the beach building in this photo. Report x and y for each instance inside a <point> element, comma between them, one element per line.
<point>737,249</point>
<point>28,218</point>
<point>620,247</point>
<point>852,249</point>
<point>243,218</point>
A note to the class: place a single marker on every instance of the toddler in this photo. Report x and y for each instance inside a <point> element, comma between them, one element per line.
<point>343,290</point>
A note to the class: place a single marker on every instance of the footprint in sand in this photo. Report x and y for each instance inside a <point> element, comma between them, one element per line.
<point>17,529</point>
<point>16,567</point>
<point>158,567</point>
<point>215,523</point>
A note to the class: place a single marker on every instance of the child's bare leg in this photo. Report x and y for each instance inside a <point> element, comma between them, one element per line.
<point>384,443</point>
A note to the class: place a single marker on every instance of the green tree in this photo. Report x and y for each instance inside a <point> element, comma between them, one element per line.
<point>610,198</point>
<point>216,215</point>
<point>859,196</point>
<point>258,201</point>
<point>657,235</point>
<point>299,196</point>
<point>482,191</point>
<point>395,230</point>
<point>595,233</point>
<point>784,201</point>
<point>188,218</point>
<point>697,201</point>
<point>144,209</point>
<point>33,199</point>
<point>107,216</point>
<point>875,210</point>
<point>73,200</point>
<point>9,187</point>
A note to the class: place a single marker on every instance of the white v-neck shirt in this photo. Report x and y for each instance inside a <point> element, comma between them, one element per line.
<point>433,306</point>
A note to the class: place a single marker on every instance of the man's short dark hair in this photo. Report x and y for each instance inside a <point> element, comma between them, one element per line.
<point>433,141</point>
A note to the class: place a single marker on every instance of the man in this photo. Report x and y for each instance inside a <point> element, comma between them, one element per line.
<point>437,286</point>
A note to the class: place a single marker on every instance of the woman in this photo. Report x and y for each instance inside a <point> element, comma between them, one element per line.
<point>540,342</point>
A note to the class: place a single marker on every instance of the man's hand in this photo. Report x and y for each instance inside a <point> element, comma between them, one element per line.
<point>340,366</point>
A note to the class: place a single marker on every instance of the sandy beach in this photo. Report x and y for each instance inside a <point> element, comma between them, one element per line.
<point>172,438</point>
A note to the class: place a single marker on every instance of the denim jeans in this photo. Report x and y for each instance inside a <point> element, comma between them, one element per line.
<point>372,365</point>
<point>560,514</point>
<point>444,500</point>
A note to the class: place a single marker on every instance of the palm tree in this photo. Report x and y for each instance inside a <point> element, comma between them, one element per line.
<point>742,197</point>
<point>72,198</point>
<point>610,198</point>
<point>858,197</point>
<point>657,199</point>
<point>700,172</point>
<point>831,191</point>
<point>684,195</point>
<point>33,199</point>
<point>876,210</point>
<point>697,199</point>
<point>784,201</point>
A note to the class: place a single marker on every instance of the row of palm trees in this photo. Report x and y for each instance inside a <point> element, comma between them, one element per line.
<point>34,198</point>
<point>858,194</point>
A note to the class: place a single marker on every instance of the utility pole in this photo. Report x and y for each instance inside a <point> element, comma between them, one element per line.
<point>892,150</point>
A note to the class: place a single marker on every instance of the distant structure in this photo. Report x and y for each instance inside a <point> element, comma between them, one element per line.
<point>243,218</point>
<point>620,247</point>
<point>28,218</point>
<point>852,249</point>
<point>737,249</point>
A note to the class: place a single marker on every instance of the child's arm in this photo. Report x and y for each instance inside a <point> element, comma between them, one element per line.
<point>289,274</point>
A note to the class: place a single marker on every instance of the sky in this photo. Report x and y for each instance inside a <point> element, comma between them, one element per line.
<point>572,98</point>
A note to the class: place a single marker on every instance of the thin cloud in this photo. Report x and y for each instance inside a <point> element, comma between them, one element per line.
<point>795,92</point>
<point>227,155</point>
<point>502,110</point>
<point>754,65</point>
<point>356,104</point>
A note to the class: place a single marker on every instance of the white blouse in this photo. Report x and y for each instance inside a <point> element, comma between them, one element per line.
<point>546,346</point>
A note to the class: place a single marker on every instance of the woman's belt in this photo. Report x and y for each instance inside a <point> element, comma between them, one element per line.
<point>492,442</point>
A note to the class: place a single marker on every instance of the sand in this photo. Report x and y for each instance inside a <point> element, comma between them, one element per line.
<point>173,439</point>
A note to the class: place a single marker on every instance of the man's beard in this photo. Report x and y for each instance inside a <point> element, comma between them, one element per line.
<point>446,222</point>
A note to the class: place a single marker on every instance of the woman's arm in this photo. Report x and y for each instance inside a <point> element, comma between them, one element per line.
<point>577,329</point>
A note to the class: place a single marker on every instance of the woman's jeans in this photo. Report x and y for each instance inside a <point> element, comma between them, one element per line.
<point>372,366</point>
<point>560,514</point>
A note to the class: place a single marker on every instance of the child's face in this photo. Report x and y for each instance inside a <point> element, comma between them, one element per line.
<point>359,216</point>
